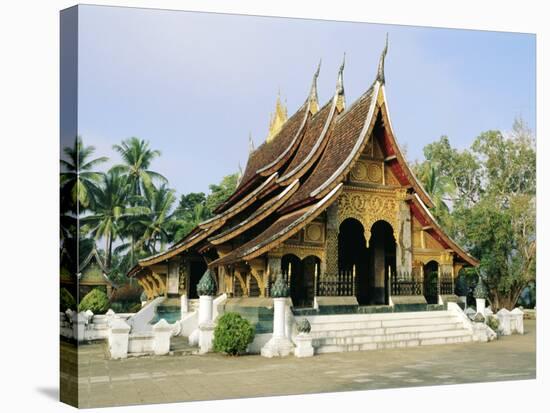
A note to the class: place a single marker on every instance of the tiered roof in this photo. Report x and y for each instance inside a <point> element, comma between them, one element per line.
<point>296,174</point>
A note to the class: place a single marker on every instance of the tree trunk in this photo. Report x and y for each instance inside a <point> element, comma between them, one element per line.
<point>108,252</point>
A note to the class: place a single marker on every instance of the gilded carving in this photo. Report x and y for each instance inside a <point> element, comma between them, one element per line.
<point>359,171</point>
<point>243,283</point>
<point>369,208</point>
<point>303,251</point>
<point>367,171</point>
<point>314,232</point>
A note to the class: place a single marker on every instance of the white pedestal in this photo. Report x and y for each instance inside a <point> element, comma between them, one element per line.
<point>118,339</point>
<point>504,319</point>
<point>206,337</point>
<point>516,321</point>
<point>205,308</point>
<point>162,331</point>
<point>480,305</point>
<point>79,325</point>
<point>303,345</point>
<point>279,345</point>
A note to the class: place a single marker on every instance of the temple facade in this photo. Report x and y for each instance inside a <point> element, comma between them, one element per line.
<point>329,201</point>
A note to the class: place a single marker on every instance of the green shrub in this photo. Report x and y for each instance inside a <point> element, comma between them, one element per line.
<point>66,300</point>
<point>461,286</point>
<point>232,334</point>
<point>96,301</point>
<point>493,323</point>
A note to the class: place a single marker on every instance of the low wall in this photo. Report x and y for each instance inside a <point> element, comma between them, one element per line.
<point>86,326</point>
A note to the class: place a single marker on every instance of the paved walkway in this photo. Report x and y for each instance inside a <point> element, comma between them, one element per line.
<point>106,382</point>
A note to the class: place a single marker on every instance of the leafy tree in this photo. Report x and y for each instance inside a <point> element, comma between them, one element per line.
<point>220,192</point>
<point>78,178</point>
<point>493,208</point>
<point>187,204</point>
<point>67,300</point>
<point>96,301</point>
<point>137,158</point>
<point>196,207</point>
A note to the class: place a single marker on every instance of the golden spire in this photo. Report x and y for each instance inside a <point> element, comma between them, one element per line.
<point>340,97</point>
<point>380,73</point>
<point>278,119</point>
<point>313,98</point>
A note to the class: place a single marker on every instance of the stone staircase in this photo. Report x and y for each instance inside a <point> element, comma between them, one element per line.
<point>179,346</point>
<point>357,332</point>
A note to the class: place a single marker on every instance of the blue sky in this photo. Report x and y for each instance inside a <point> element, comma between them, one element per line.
<point>196,84</point>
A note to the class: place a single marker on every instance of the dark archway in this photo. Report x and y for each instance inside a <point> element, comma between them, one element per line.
<point>352,253</point>
<point>197,271</point>
<point>381,262</point>
<point>293,273</point>
<point>431,270</point>
<point>305,286</point>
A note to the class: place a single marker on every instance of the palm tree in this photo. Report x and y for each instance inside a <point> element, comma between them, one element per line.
<point>137,158</point>
<point>437,185</point>
<point>78,180</point>
<point>109,209</point>
<point>157,221</point>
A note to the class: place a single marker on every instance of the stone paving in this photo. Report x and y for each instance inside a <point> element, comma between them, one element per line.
<point>104,382</point>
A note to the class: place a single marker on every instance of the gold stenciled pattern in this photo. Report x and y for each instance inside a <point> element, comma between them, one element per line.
<point>367,171</point>
<point>368,209</point>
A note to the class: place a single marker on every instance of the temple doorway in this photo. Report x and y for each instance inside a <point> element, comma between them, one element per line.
<point>352,256</point>
<point>381,263</point>
<point>292,269</point>
<point>197,271</point>
<point>306,285</point>
<point>431,270</point>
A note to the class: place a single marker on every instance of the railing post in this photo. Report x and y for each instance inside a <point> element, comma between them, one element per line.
<point>353,286</point>
<point>316,280</point>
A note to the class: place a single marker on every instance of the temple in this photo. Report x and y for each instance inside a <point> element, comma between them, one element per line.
<point>329,201</point>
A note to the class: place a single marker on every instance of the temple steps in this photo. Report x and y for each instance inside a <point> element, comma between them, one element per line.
<point>179,346</point>
<point>360,332</point>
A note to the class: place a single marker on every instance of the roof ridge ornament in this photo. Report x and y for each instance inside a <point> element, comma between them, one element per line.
<point>278,118</point>
<point>313,96</point>
<point>340,96</point>
<point>250,143</point>
<point>380,73</point>
<point>239,173</point>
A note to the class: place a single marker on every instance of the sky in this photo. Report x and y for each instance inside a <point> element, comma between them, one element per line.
<point>196,85</point>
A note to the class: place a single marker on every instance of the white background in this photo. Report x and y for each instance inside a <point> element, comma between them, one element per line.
<point>29,166</point>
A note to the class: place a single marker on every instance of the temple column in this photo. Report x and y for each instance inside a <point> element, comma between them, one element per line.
<point>173,278</point>
<point>331,265</point>
<point>273,268</point>
<point>403,251</point>
<point>379,251</point>
<point>446,274</point>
